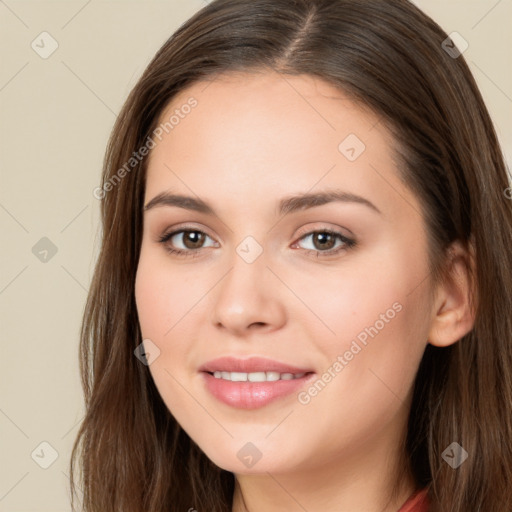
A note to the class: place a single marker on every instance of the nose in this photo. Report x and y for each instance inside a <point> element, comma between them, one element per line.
<point>249,298</point>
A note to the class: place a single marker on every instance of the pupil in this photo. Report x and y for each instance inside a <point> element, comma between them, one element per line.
<point>323,238</point>
<point>195,243</point>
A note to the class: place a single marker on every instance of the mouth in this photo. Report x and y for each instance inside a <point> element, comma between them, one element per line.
<point>256,376</point>
<point>252,383</point>
<point>252,365</point>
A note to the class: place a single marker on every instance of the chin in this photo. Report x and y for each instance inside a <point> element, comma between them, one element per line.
<point>248,457</point>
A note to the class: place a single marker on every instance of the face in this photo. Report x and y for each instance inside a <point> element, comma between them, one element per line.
<point>334,288</point>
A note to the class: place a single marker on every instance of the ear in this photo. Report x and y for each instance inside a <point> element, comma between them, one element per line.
<point>453,312</point>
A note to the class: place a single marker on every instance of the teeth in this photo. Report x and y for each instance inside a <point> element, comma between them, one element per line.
<point>272,376</point>
<point>256,376</point>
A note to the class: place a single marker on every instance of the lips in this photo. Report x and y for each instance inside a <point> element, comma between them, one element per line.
<point>239,383</point>
<point>251,365</point>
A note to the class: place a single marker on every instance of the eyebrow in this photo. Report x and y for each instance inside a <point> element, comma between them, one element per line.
<point>286,205</point>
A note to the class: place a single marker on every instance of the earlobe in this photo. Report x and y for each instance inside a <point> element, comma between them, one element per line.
<point>453,312</point>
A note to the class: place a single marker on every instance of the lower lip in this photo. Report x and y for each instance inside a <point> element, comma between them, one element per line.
<point>252,395</point>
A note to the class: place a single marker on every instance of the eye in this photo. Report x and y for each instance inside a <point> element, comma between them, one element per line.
<point>191,240</point>
<point>323,242</point>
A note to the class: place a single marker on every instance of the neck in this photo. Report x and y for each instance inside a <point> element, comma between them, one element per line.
<point>319,492</point>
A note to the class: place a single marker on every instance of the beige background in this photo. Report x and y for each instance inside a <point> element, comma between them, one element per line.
<point>56,115</point>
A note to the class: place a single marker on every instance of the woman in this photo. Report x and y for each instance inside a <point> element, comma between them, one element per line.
<point>302,299</point>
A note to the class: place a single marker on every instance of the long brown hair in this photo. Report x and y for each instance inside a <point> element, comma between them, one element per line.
<point>389,56</point>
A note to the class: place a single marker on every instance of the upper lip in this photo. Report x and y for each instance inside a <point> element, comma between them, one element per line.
<point>250,365</point>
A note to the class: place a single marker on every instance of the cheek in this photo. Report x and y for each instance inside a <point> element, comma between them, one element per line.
<point>378,316</point>
<point>164,294</point>
<point>163,298</point>
<point>370,366</point>
<point>152,296</point>
<point>350,301</point>
<point>169,298</point>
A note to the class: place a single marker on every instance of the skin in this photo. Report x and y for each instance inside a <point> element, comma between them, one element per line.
<point>262,137</point>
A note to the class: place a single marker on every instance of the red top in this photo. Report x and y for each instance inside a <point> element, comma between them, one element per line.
<point>418,502</point>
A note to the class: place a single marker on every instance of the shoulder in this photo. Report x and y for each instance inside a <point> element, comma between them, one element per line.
<point>418,502</point>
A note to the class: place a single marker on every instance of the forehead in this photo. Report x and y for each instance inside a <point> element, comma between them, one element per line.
<point>297,106</point>
<point>267,133</point>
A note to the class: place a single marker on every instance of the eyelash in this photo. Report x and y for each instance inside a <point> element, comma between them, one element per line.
<point>348,243</point>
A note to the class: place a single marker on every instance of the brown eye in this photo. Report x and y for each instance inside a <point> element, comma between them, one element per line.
<point>193,239</point>
<point>186,242</point>
<point>324,242</point>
